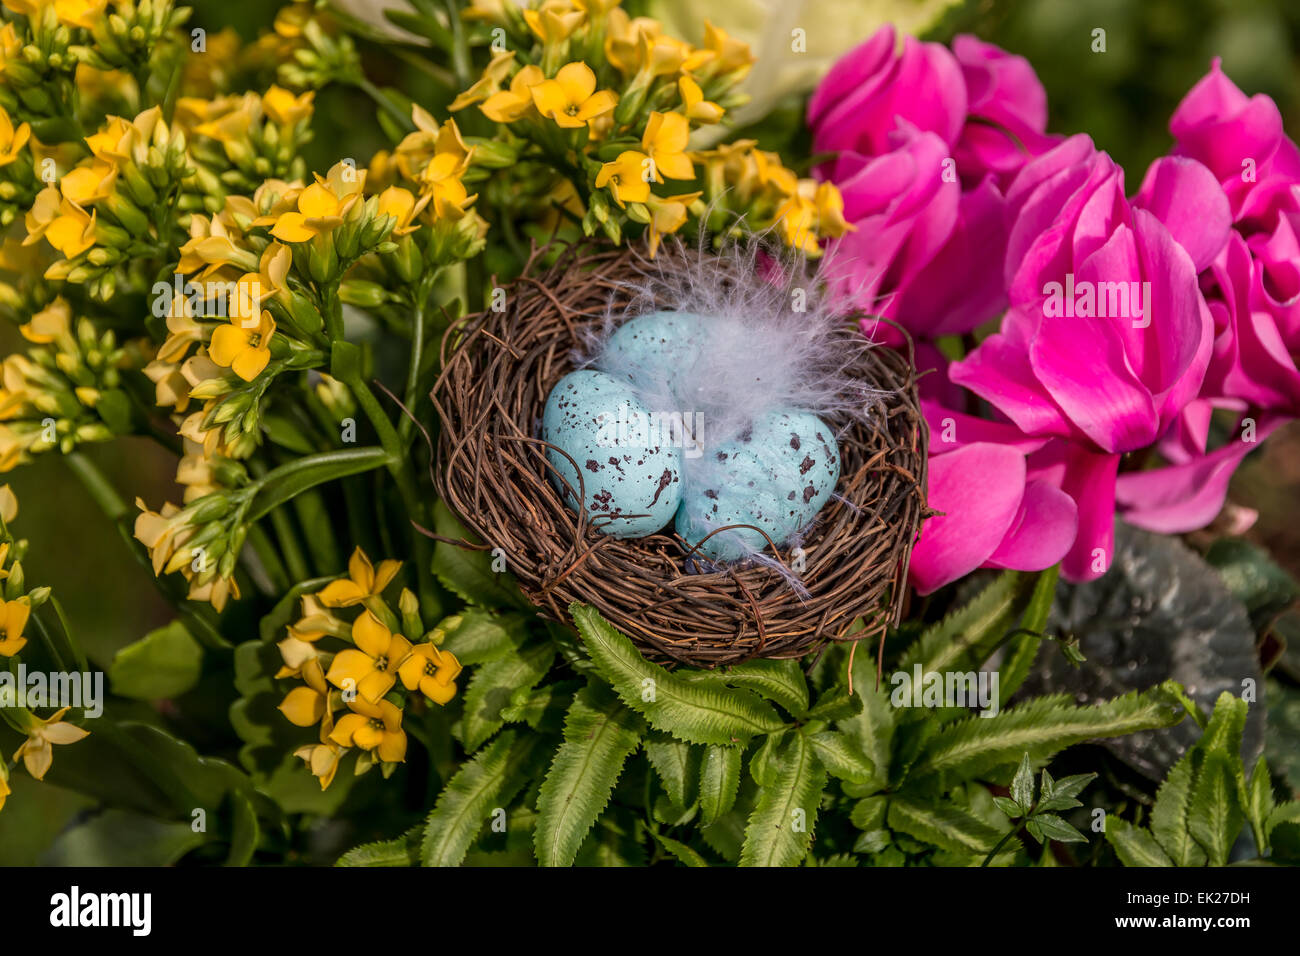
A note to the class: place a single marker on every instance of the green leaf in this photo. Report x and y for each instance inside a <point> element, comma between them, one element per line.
<point>403,851</point>
<point>599,735</point>
<point>780,829</point>
<point>1061,794</point>
<point>1009,807</point>
<point>164,663</point>
<point>1260,803</point>
<point>481,636</point>
<point>467,572</point>
<point>1228,722</point>
<point>1254,578</point>
<point>288,480</point>
<point>1214,817</point>
<point>948,827</point>
<point>1134,846</point>
<point>1288,812</point>
<point>702,711</point>
<point>719,780</point>
<point>491,686</point>
<point>1169,815</point>
<point>481,786</point>
<point>121,838</point>
<point>1022,785</point>
<point>964,639</point>
<point>762,762</point>
<point>873,726</point>
<point>680,851</point>
<point>869,813</point>
<point>674,763</point>
<point>1040,727</point>
<point>1052,827</point>
<point>841,756</point>
<point>781,682</point>
<point>1024,648</point>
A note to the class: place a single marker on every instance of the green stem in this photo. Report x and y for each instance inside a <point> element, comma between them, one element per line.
<point>99,488</point>
<point>260,542</point>
<point>1003,842</point>
<point>385,104</point>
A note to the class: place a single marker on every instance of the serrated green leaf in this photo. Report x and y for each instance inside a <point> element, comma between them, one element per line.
<point>600,733</point>
<point>873,726</point>
<point>780,830</point>
<point>719,780</point>
<point>762,762</point>
<point>481,786</point>
<point>1288,812</point>
<point>1040,727</point>
<point>781,682</point>
<point>491,685</point>
<point>1013,810</point>
<point>675,765</point>
<point>402,851</point>
<point>1052,827</point>
<point>1214,816</point>
<point>1259,803</point>
<point>869,813</point>
<point>964,639</point>
<point>698,711</point>
<point>1022,785</point>
<point>842,757</point>
<point>835,705</point>
<point>680,851</point>
<point>948,827</point>
<point>1135,846</point>
<point>1223,733</point>
<point>481,636</point>
<point>1169,815</point>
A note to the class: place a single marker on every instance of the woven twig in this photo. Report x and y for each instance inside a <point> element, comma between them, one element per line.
<point>499,368</point>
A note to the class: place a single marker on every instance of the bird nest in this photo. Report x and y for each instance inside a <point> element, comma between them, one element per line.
<point>498,369</point>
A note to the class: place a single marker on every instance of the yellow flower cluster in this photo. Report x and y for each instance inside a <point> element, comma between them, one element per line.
<point>374,679</point>
<point>611,101</point>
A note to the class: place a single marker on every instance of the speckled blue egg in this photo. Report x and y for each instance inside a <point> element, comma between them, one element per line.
<point>631,481</point>
<point>657,348</point>
<point>777,476</point>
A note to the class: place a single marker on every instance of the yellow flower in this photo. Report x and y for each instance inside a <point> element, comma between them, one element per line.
<point>159,533</point>
<point>508,106</point>
<point>243,350</point>
<point>4,784</point>
<point>322,758</point>
<point>216,591</point>
<point>8,504</point>
<point>813,210</point>
<point>772,173</point>
<point>54,322</point>
<point>363,580</point>
<point>494,74</point>
<point>372,727</point>
<point>403,207</point>
<point>13,618</point>
<point>321,206</point>
<point>727,55</point>
<point>554,20</point>
<point>306,706</point>
<point>696,106</point>
<point>571,98</point>
<point>432,671</point>
<point>371,667</point>
<point>626,177</point>
<point>71,13</point>
<point>667,215</point>
<point>37,751</point>
<point>12,140</point>
<point>664,141</point>
<point>212,245</point>
<point>63,224</point>
<point>285,108</point>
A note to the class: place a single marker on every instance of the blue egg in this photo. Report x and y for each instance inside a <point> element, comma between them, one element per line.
<point>658,349</point>
<point>776,477</point>
<point>631,473</point>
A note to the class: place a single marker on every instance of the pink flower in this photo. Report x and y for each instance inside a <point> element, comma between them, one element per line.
<point>1108,336</point>
<point>926,139</point>
<point>924,252</point>
<point>998,512</point>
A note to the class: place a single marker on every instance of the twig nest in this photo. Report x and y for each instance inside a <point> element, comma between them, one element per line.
<point>513,488</point>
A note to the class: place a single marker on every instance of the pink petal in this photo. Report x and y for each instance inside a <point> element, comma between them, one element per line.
<point>1042,532</point>
<point>1186,197</point>
<point>979,488</point>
